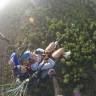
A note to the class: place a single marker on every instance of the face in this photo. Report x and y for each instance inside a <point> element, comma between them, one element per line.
<point>33,56</point>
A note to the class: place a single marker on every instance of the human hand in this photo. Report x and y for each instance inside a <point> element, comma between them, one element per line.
<point>11,62</point>
<point>51,72</point>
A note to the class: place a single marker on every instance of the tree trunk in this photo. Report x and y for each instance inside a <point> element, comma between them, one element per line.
<point>57,89</point>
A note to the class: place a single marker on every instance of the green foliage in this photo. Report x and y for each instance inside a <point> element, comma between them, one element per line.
<point>94,66</point>
<point>84,75</point>
<point>73,19</point>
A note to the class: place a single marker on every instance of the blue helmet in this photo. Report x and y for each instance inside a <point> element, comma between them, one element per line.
<point>26,54</point>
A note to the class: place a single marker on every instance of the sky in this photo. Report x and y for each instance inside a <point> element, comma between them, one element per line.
<point>3,4</point>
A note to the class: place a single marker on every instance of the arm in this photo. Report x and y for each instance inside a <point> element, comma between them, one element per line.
<point>14,60</point>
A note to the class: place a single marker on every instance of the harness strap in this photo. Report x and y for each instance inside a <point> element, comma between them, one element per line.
<point>29,70</point>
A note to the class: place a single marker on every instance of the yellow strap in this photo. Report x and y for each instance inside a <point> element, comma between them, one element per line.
<point>25,81</point>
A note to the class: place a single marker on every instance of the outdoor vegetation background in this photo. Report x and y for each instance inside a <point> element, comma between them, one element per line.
<point>73,19</point>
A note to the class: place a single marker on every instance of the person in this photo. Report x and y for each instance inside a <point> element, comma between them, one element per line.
<point>21,72</point>
<point>46,57</point>
<point>40,59</point>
